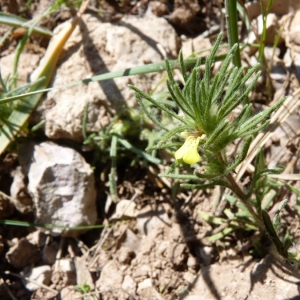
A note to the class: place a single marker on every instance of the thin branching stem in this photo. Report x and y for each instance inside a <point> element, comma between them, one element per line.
<point>244,199</point>
<point>235,187</point>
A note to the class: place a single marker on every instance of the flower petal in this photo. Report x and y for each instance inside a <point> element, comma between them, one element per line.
<point>188,152</point>
<point>180,152</point>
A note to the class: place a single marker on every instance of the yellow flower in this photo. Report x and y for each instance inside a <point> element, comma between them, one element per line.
<point>188,152</point>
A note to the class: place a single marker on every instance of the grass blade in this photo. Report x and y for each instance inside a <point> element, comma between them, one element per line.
<point>20,115</point>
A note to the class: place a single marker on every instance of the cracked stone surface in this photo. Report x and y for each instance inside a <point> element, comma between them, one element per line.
<point>61,185</point>
<point>98,48</point>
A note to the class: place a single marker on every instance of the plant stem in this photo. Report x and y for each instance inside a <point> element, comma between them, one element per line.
<point>265,11</point>
<point>232,29</point>
<point>244,199</point>
<point>113,171</point>
<point>235,187</point>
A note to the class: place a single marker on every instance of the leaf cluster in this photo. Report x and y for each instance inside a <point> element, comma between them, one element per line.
<point>207,103</point>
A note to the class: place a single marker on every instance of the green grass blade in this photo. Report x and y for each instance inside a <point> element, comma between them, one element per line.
<point>232,29</point>
<point>22,111</point>
<point>137,151</point>
<point>112,177</point>
<point>179,176</point>
<point>16,21</point>
<point>48,226</point>
<point>145,69</point>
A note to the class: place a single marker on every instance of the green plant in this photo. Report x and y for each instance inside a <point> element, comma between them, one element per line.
<point>116,140</point>
<point>83,289</point>
<point>207,121</point>
<point>265,11</point>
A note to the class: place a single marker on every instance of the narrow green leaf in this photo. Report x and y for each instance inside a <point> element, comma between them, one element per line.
<point>137,151</point>
<point>213,183</point>
<point>172,133</point>
<point>183,101</point>
<point>182,66</point>
<point>249,74</point>
<point>211,139</point>
<point>273,235</point>
<point>149,114</point>
<point>208,175</point>
<point>240,158</point>
<point>209,62</point>
<point>221,86</point>
<point>159,105</point>
<point>261,116</point>
<point>243,116</point>
<point>225,65</point>
<point>232,28</point>
<point>211,219</point>
<point>181,104</point>
<point>242,98</point>
<point>276,220</point>
<point>16,21</point>
<point>164,146</point>
<point>240,205</point>
<point>179,176</point>
<point>169,72</point>
<point>234,83</point>
<point>215,83</point>
<point>254,131</point>
<point>196,98</point>
<point>225,108</point>
<point>222,234</point>
<point>266,172</point>
<point>48,226</point>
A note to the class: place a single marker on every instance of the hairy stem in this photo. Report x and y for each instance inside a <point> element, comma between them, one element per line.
<point>235,187</point>
<point>244,199</point>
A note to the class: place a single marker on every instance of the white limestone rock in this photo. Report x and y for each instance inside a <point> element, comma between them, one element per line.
<point>129,284</point>
<point>111,277</point>
<point>27,64</point>
<point>97,48</point>
<point>61,185</point>
<point>40,275</point>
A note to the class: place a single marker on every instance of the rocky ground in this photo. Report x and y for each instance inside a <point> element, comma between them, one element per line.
<point>150,245</point>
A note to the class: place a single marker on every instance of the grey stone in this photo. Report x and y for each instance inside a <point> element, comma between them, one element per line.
<point>61,185</point>
<point>97,48</point>
<point>41,275</point>
<point>22,253</point>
